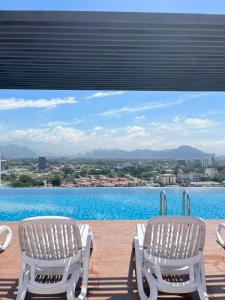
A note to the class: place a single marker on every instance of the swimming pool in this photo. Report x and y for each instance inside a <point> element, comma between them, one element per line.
<point>107,203</point>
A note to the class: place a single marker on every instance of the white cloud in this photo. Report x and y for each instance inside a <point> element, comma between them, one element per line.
<point>199,123</point>
<point>71,140</point>
<point>151,105</point>
<point>54,123</point>
<point>55,135</point>
<point>171,130</point>
<point>104,94</point>
<point>97,128</point>
<point>183,127</point>
<point>176,119</point>
<point>77,121</point>
<point>139,118</point>
<point>64,138</point>
<point>17,103</point>
<point>201,94</point>
<point>140,108</point>
<point>136,131</point>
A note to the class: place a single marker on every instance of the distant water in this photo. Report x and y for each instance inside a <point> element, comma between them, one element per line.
<point>107,203</point>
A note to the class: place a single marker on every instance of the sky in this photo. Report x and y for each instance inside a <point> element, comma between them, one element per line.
<point>71,122</point>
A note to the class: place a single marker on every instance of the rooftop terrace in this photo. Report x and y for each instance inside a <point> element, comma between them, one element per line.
<point>111,274</point>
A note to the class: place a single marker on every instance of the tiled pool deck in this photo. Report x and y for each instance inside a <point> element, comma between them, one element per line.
<point>111,274</point>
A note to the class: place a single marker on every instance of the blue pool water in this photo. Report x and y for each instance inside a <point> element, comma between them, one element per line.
<point>107,203</point>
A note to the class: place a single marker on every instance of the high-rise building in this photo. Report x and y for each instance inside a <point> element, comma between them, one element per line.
<point>167,179</point>
<point>221,162</point>
<point>211,173</point>
<point>42,163</point>
<point>206,162</point>
<point>2,168</point>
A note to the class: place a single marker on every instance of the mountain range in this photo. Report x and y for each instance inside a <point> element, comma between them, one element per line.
<point>182,152</point>
<point>15,151</point>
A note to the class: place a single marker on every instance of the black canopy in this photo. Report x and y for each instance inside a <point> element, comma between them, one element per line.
<point>111,51</point>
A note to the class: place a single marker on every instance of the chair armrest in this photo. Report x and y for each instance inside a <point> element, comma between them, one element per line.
<point>219,239</point>
<point>8,231</point>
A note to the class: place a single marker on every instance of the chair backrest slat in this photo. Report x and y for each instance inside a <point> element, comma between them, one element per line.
<point>174,237</point>
<point>50,238</point>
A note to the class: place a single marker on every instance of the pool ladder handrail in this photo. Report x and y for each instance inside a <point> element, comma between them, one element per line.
<point>186,199</point>
<point>163,203</point>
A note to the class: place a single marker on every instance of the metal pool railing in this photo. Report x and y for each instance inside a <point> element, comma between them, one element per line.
<point>163,204</point>
<point>186,204</point>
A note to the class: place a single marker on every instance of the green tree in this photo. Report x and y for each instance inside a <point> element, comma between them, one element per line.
<point>23,181</point>
<point>67,171</point>
<point>56,180</point>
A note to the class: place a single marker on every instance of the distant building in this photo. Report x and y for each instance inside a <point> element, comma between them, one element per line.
<point>211,173</point>
<point>221,162</point>
<point>181,162</point>
<point>187,177</point>
<point>167,179</point>
<point>42,163</point>
<point>222,175</point>
<point>206,162</point>
<point>3,165</point>
<point>206,184</point>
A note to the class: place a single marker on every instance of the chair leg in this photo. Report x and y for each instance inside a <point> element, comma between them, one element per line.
<point>86,259</point>
<point>72,285</point>
<point>202,294</point>
<point>22,287</point>
<point>21,293</point>
<point>70,296</point>
<point>71,289</point>
<point>200,282</point>
<point>202,268</point>
<point>153,287</point>
<point>139,278</point>
<point>153,293</point>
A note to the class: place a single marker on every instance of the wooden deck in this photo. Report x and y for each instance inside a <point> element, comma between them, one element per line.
<point>111,275</point>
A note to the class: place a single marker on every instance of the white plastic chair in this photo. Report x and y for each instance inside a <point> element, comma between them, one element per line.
<point>55,255</point>
<point>5,230</point>
<point>219,239</point>
<point>169,255</point>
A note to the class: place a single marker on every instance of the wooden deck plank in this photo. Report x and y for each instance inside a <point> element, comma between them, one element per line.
<point>111,274</point>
